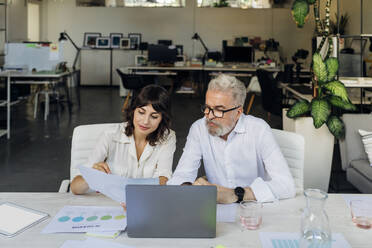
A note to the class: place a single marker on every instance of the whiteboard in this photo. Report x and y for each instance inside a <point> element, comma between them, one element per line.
<point>33,55</point>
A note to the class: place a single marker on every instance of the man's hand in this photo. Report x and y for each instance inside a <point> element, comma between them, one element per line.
<point>202,181</point>
<point>102,166</point>
<point>224,195</point>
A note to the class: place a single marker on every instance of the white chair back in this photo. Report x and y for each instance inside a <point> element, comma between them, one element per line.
<point>254,86</point>
<point>84,139</point>
<point>292,146</point>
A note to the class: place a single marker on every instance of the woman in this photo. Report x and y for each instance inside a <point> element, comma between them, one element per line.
<point>142,147</point>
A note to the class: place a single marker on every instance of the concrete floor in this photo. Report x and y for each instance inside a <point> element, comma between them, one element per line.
<point>37,157</point>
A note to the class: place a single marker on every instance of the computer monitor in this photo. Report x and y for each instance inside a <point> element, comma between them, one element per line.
<point>161,54</point>
<point>238,54</point>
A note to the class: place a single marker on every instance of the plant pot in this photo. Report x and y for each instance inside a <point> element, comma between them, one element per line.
<point>319,144</point>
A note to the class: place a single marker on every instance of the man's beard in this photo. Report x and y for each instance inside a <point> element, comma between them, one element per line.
<point>218,130</point>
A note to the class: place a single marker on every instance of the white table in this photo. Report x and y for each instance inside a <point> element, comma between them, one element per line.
<point>277,217</point>
<point>14,77</point>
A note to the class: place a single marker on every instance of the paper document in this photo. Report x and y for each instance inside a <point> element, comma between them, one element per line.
<point>87,219</point>
<point>111,185</point>
<point>92,243</point>
<point>107,234</point>
<point>291,240</point>
<point>53,52</point>
<point>227,212</point>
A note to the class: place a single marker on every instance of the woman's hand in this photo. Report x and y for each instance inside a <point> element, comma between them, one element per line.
<point>124,206</point>
<point>102,166</point>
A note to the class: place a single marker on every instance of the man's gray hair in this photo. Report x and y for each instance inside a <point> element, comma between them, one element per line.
<point>230,84</point>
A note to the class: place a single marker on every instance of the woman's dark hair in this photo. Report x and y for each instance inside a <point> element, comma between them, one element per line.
<point>159,98</point>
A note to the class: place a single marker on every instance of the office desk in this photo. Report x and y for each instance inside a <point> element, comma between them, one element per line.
<point>204,72</point>
<point>277,217</point>
<point>33,78</point>
<point>224,69</point>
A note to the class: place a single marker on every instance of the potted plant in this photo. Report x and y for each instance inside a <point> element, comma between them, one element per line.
<point>329,97</point>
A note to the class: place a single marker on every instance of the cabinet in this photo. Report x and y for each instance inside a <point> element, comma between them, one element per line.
<point>98,66</point>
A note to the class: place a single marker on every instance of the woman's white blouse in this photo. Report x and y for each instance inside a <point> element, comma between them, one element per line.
<point>119,152</point>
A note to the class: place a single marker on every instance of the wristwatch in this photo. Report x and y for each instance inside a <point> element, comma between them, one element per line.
<point>239,192</point>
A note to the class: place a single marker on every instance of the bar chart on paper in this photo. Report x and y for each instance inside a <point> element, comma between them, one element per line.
<point>291,240</point>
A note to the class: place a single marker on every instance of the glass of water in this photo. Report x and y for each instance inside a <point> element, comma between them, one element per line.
<point>250,215</point>
<point>361,213</point>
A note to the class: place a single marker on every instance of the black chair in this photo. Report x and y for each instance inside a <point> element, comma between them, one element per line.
<point>134,83</point>
<point>271,94</point>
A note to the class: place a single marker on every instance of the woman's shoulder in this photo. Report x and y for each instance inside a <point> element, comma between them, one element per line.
<point>169,137</point>
<point>116,131</point>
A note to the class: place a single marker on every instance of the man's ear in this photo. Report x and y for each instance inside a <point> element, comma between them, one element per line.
<point>240,111</point>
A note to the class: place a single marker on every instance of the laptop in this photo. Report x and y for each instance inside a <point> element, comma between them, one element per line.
<point>158,211</point>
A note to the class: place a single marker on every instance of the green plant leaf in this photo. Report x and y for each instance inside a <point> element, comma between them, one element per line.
<point>332,67</point>
<point>336,127</point>
<point>299,108</point>
<point>300,12</point>
<point>338,89</point>
<point>319,68</point>
<point>339,103</point>
<point>311,1</point>
<point>320,111</point>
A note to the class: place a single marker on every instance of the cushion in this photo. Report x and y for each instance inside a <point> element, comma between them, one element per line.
<point>367,142</point>
<point>362,166</point>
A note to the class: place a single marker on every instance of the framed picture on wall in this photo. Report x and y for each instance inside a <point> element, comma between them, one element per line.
<point>124,43</point>
<point>90,39</point>
<point>103,42</point>
<point>135,40</point>
<point>115,39</point>
<point>140,60</point>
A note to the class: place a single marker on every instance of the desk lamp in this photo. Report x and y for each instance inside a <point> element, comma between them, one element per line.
<point>64,36</point>
<point>197,37</point>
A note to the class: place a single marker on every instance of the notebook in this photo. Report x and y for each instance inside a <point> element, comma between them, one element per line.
<point>14,219</point>
<point>158,211</point>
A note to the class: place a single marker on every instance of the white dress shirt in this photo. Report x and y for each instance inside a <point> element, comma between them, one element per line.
<point>250,157</point>
<point>119,152</point>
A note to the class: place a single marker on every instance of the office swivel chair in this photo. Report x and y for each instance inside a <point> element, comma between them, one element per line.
<point>134,83</point>
<point>270,93</point>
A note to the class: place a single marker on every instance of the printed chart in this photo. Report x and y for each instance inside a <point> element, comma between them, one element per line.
<point>87,219</point>
<point>291,240</point>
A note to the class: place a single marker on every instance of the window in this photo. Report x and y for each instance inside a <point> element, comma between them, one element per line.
<point>244,4</point>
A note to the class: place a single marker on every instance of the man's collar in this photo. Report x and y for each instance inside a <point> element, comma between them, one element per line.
<point>239,127</point>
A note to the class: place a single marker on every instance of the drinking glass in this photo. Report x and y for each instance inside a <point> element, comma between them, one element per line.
<point>361,213</point>
<point>250,215</point>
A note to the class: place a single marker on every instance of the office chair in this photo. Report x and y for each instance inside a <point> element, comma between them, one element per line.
<point>84,139</point>
<point>255,89</point>
<point>292,145</point>
<point>134,83</point>
<point>270,93</point>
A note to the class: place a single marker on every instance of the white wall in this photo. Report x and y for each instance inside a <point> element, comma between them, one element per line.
<point>17,21</point>
<point>179,24</point>
<point>33,31</point>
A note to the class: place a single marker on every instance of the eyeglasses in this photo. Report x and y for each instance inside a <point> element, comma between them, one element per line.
<point>215,112</point>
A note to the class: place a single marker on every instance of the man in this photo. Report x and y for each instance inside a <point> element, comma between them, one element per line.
<point>239,152</point>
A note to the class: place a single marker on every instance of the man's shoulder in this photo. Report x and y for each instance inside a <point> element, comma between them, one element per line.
<point>254,123</point>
